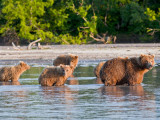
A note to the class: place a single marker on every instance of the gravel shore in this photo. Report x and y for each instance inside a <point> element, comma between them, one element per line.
<point>86,53</point>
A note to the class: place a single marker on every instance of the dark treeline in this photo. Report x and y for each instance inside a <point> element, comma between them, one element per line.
<point>79,21</point>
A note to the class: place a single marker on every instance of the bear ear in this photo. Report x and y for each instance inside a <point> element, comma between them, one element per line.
<point>21,62</point>
<point>142,55</point>
<point>76,56</point>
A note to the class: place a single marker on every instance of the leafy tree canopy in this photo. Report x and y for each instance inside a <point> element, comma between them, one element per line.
<point>77,21</point>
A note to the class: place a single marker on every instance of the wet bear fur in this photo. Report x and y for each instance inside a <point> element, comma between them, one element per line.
<point>120,71</point>
<point>13,72</point>
<point>69,59</point>
<point>55,75</point>
<point>98,68</point>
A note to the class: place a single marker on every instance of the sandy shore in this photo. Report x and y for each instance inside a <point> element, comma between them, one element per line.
<point>94,52</point>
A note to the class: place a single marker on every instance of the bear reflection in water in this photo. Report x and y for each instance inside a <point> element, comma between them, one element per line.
<point>129,99</point>
<point>127,91</point>
<point>59,94</point>
<point>10,83</point>
<point>72,80</point>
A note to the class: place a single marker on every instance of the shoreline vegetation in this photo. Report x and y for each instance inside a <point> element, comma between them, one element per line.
<point>79,22</point>
<point>86,53</point>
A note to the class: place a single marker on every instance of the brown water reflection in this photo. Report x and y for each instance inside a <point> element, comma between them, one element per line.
<point>120,91</point>
<point>10,83</point>
<point>73,80</point>
<point>58,92</point>
<point>132,97</point>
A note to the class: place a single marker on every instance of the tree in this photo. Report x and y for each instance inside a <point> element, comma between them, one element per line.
<point>133,18</point>
<point>154,20</point>
<point>59,15</point>
<point>25,17</point>
<point>77,21</point>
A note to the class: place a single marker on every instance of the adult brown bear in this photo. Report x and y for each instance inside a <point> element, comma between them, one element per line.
<point>98,68</point>
<point>120,71</point>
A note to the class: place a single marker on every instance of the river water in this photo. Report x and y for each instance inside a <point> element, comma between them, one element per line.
<point>82,97</point>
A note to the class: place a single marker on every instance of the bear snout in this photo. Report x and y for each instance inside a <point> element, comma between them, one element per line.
<point>149,65</point>
<point>28,67</point>
<point>63,71</point>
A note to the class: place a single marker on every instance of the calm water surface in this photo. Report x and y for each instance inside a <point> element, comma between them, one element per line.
<point>82,97</point>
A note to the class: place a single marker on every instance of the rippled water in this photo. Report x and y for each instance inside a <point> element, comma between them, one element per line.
<point>82,97</point>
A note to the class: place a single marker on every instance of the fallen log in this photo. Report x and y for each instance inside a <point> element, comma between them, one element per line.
<point>15,47</point>
<point>32,43</point>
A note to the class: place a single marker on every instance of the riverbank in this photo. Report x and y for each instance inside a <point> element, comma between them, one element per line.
<point>91,53</point>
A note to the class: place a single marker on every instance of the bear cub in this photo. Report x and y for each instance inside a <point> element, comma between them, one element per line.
<point>13,72</point>
<point>55,75</point>
<point>69,59</point>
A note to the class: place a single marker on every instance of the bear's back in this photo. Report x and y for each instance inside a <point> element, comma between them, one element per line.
<point>62,59</point>
<point>114,68</point>
<point>116,64</point>
<point>98,68</point>
<point>53,71</point>
<point>6,73</point>
<point>69,59</point>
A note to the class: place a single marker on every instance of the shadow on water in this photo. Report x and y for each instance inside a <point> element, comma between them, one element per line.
<point>82,97</point>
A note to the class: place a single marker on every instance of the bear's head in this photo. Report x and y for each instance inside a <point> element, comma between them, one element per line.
<point>147,61</point>
<point>73,60</point>
<point>24,65</point>
<point>67,70</point>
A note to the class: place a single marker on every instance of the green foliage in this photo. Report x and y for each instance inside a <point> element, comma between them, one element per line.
<point>73,21</point>
<point>151,14</point>
<point>153,20</point>
<point>133,18</point>
<point>68,39</point>
<point>26,18</point>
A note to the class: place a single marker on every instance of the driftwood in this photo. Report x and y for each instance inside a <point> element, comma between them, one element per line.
<point>39,46</point>
<point>99,38</point>
<point>32,43</point>
<point>15,47</point>
<point>105,39</point>
<point>29,46</point>
<point>111,39</point>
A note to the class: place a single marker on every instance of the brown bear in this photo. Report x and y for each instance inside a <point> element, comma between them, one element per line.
<point>69,59</point>
<point>98,68</point>
<point>120,71</point>
<point>55,75</point>
<point>13,72</point>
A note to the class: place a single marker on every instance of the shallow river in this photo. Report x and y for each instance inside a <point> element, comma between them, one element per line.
<point>82,97</point>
